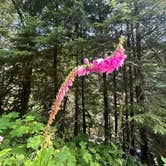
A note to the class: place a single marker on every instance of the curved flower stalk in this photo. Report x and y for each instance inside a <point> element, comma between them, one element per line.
<point>61,93</point>
<point>106,65</point>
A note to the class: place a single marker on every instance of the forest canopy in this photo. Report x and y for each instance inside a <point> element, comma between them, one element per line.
<point>113,117</point>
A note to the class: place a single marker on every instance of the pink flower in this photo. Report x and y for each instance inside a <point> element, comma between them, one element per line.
<point>100,68</point>
<point>121,49</point>
<point>115,61</point>
<point>97,65</point>
<point>106,63</point>
<point>96,62</point>
<point>86,61</point>
<point>69,83</point>
<point>91,69</point>
<point>81,71</point>
<point>66,88</point>
<point>118,58</point>
<point>62,91</point>
<point>1,139</point>
<point>111,67</point>
<point>59,98</point>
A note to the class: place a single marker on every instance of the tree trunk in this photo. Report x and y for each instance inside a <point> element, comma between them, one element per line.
<point>130,38</point>
<point>55,72</point>
<point>76,103</point>
<point>83,105</point>
<point>106,112</point>
<point>140,96</point>
<point>125,124</point>
<point>115,106</point>
<point>61,114</point>
<point>76,109</point>
<point>144,146</point>
<point>26,86</point>
<point>132,128</point>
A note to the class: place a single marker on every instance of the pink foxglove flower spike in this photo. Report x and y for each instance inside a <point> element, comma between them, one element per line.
<point>106,65</point>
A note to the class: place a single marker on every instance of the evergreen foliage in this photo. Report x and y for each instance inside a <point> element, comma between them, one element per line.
<point>116,119</point>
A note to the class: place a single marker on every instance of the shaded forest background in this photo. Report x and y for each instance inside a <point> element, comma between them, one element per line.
<point>41,41</point>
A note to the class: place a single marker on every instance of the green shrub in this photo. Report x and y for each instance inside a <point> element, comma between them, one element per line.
<point>23,137</point>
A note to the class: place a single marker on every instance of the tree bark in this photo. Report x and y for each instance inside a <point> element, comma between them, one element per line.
<point>26,86</point>
<point>83,105</point>
<point>132,128</point>
<point>61,114</point>
<point>106,112</point>
<point>115,105</point>
<point>130,39</point>
<point>125,124</point>
<point>55,72</point>
<point>76,104</point>
<point>140,96</point>
<point>76,109</point>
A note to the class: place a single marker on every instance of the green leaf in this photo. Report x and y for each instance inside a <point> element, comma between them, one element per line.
<point>65,157</point>
<point>4,152</point>
<point>34,142</point>
<point>94,164</point>
<point>83,145</point>
<point>43,157</point>
<point>20,131</point>
<point>36,127</point>
<point>12,115</point>
<point>4,123</point>
<point>86,156</point>
<point>29,118</point>
<point>164,160</point>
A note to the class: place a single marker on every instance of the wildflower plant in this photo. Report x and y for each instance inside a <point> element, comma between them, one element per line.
<point>103,65</point>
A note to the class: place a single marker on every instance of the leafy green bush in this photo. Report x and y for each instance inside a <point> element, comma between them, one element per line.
<point>23,137</point>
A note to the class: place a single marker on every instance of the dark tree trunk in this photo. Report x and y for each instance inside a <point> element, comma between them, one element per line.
<point>55,72</point>
<point>61,114</point>
<point>125,124</point>
<point>76,103</point>
<point>144,146</point>
<point>106,112</point>
<point>83,106</point>
<point>64,104</point>
<point>132,129</point>
<point>26,86</point>
<point>115,105</point>
<point>140,96</point>
<point>76,109</point>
